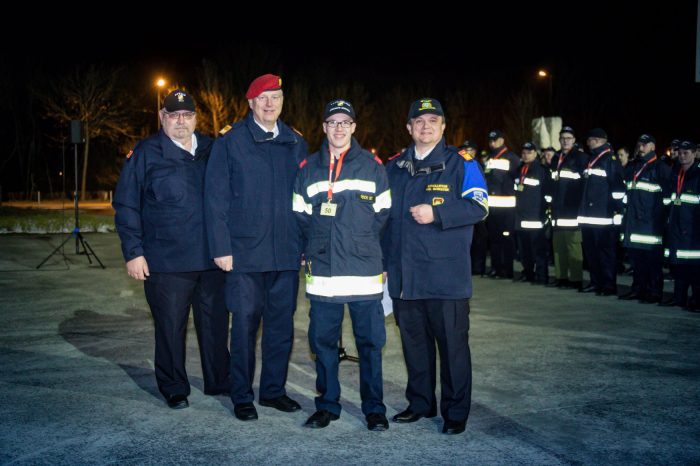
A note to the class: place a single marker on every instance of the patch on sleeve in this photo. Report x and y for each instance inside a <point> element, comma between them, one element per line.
<point>363,197</point>
<point>438,201</point>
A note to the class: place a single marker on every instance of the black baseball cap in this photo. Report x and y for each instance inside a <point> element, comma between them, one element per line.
<point>339,106</point>
<point>424,106</point>
<point>178,100</point>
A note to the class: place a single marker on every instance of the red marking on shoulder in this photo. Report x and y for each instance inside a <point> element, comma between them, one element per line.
<point>303,162</point>
<point>394,156</point>
<point>128,156</point>
<point>378,160</point>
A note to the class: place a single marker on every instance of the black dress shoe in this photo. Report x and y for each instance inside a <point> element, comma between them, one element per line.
<point>630,296</point>
<point>320,419</point>
<point>377,422</point>
<point>606,292</point>
<point>245,411</point>
<point>576,285</point>
<point>407,415</point>
<point>281,403</point>
<point>588,289</point>
<point>669,302</point>
<point>453,427</point>
<point>178,401</point>
<point>650,299</point>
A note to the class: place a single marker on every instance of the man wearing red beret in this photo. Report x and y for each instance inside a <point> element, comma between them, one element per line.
<point>254,237</point>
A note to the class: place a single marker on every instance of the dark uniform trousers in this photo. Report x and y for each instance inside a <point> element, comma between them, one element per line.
<point>647,278</point>
<point>272,297</point>
<point>170,296</point>
<point>599,247</point>
<point>421,323</point>
<point>500,224</point>
<point>480,244</point>
<point>370,336</point>
<point>534,254</point>
<point>684,276</point>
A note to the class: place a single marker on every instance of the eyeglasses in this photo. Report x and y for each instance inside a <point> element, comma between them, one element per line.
<point>177,115</point>
<point>345,123</point>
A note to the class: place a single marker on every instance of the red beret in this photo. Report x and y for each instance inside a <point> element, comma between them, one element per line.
<point>266,82</point>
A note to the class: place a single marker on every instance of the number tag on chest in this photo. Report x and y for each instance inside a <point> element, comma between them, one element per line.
<point>328,209</point>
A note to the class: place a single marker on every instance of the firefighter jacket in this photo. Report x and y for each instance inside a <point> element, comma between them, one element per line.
<point>648,195</point>
<point>343,254</point>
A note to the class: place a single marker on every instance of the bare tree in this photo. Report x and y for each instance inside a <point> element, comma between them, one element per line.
<point>93,95</point>
<point>219,103</point>
<point>521,109</point>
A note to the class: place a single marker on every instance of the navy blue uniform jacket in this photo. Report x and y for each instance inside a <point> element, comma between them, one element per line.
<point>249,184</point>
<point>159,204</point>
<point>432,261</point>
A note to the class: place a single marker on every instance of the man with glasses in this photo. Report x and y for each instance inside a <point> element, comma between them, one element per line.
<point>566,188</point>
<point>437,194</point>
<point>342,200</point>
<point>254,237</point>
<point>159,204</point>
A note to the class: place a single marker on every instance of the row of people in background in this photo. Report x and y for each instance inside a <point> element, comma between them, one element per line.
<point>594,201</point>
<point>221,226</point>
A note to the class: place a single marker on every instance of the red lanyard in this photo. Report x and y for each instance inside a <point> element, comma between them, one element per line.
<point>562,156</point>
<point>590,164</point>
<point>331,180</point>
<point>679,182</point>
<point>501,152</point>
<point>523,172</point>
<point>636,175</point>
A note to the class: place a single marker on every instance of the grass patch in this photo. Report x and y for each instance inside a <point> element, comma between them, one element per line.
<point>16,220</point>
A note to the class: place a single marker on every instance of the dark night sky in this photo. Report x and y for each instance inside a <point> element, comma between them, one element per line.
<point>640,57</point>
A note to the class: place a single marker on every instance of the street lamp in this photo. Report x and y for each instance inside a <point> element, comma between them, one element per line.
<point>544,74</point>
<point>160,83</point>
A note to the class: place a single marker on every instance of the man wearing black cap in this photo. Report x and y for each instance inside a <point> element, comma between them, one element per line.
<point>600,213</point>
<point>566,189</point>
<point>530,208</point>
<point>254,236</point>
<point>342,201</point>
<point>683,231</point>
<point>648,195</point>
<point>480,241</point>
<point>437,195</point>
<point>159,217</point>
<point>500,172</point>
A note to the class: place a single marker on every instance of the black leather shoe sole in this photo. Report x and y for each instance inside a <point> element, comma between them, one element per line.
<point>178,402</point>
<point>377,422</point>
<point>453,427</point>
<point>245,412</point>
<point>320,419</point>
<point>407,416</point>
<point>283,403</point>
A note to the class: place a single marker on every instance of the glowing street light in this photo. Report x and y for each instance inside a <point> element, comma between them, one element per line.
<point>160,84</point>
<point>544,74</point>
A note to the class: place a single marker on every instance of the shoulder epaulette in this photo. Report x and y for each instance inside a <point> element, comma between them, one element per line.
<point>303,162</point>
<point>378,160</point>
<point>225,129</point>
<point>131,152</point>
<point>297,131</point>
<point>394,156</point>
<point>466,155</point>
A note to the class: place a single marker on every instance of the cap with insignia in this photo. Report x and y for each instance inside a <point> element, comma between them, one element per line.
<point>597,133</point>
<point>266,82</point>
<point>178,100</point>
<point>469,144</point>
<point>425,106</point>
<point>339,106</point>
<point>495,134</point>
<point>675,144</point>
<point>529,146</point>
<point>567,129</point>
<point>687,145</point>
<point>646,139</point>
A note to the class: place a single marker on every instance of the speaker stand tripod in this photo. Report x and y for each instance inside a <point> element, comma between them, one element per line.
<point>79,239</point>
<point>342,355</point>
